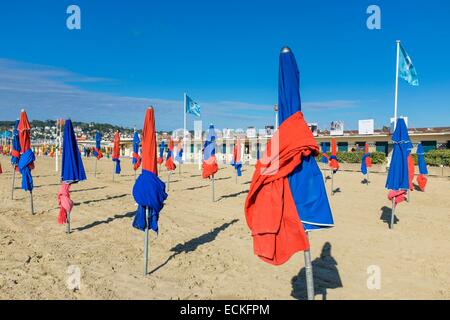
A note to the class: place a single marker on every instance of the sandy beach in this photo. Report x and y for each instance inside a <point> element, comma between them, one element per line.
<point>204,249</point>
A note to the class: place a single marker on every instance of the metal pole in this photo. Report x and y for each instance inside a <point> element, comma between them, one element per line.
<point>392,213</point>
<point>114,171</point>
<point>134,175</point>
<point>13,182</point>
<point>146,243</point>
<point>367,178</point>
<point>309,273</point>
<point>184,128</point>
<point>95,170</point>
<point>168,180</point>
<point>332,183</point>
<point>68,223</point>
<point>408,195</point>
<point>212,185</point>
<point>31,203</point>
<point>396,84</point>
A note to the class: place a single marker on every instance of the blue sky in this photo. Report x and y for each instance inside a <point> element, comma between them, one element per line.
<point>133,53</point>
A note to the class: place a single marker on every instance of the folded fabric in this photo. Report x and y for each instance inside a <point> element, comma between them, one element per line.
<point>422,182</point>
<point>270,209</point>
<point>209,167</point>
<point>399,195</point>
<point>65,203</point>
<point>25,166</point>
<point>149,193</point>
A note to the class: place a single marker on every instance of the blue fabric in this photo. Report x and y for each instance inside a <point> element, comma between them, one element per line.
<point>149,193</point>
<point>258,156</point>
<point>364,164</point>
<point>397,178</point>
<point>306,181</point>
<point>237,167</point>
<point>98,139</point>
<point>324,150</point>
<point>118,169</point>
<point>27,179</point>
<point>421,159</point>
<point>169,154</point>
<point>161,149</point>
<point>84,151</point>
<point>288,87</point>
<point>179,156</point>
<point>310,196</point>
<point>136,143</point>
<point>72,169</point>
<point>209,148</point>
<point>16,144</point>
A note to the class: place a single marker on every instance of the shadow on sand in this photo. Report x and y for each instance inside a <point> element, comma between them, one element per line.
<point>100,200</point>
<point>194,243</point>
<point>386,213</point>
<point>89,189</point>
<point>106,221</point>
<point>233,195</point>
<point>325,273</point>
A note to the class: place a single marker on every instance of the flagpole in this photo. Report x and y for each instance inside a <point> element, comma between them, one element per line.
<point>57,146</point>
<point>184,129</point>
<point>396,84</point>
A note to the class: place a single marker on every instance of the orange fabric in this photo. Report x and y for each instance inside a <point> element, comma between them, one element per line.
<point>237,151</point>
<point>422,182</point>
<point>270,209</point>
<point>210,167</point>
<point>368,159</point>
<point>149,143</point>
<point>411,172</point>
<point>170,165</point>
<point>116,149</point>
<point>333,163</point>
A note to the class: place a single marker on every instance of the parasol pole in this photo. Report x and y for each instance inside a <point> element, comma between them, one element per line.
<point>168,180</point>
<point>367,178</point>
<point>212,186</point>
<point>392,213</point>
<point>146,243</point>
<point>113,170</point>
<point>332,183</point>
<point>13,182</point>
<point>68,223</point>
<point>309,273</point>
<point>31,203</point>
<point>134,175</point>
<point>95,170</point>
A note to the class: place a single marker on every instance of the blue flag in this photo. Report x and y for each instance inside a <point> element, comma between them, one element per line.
<point>406,69</point>
<point>192,107</point>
